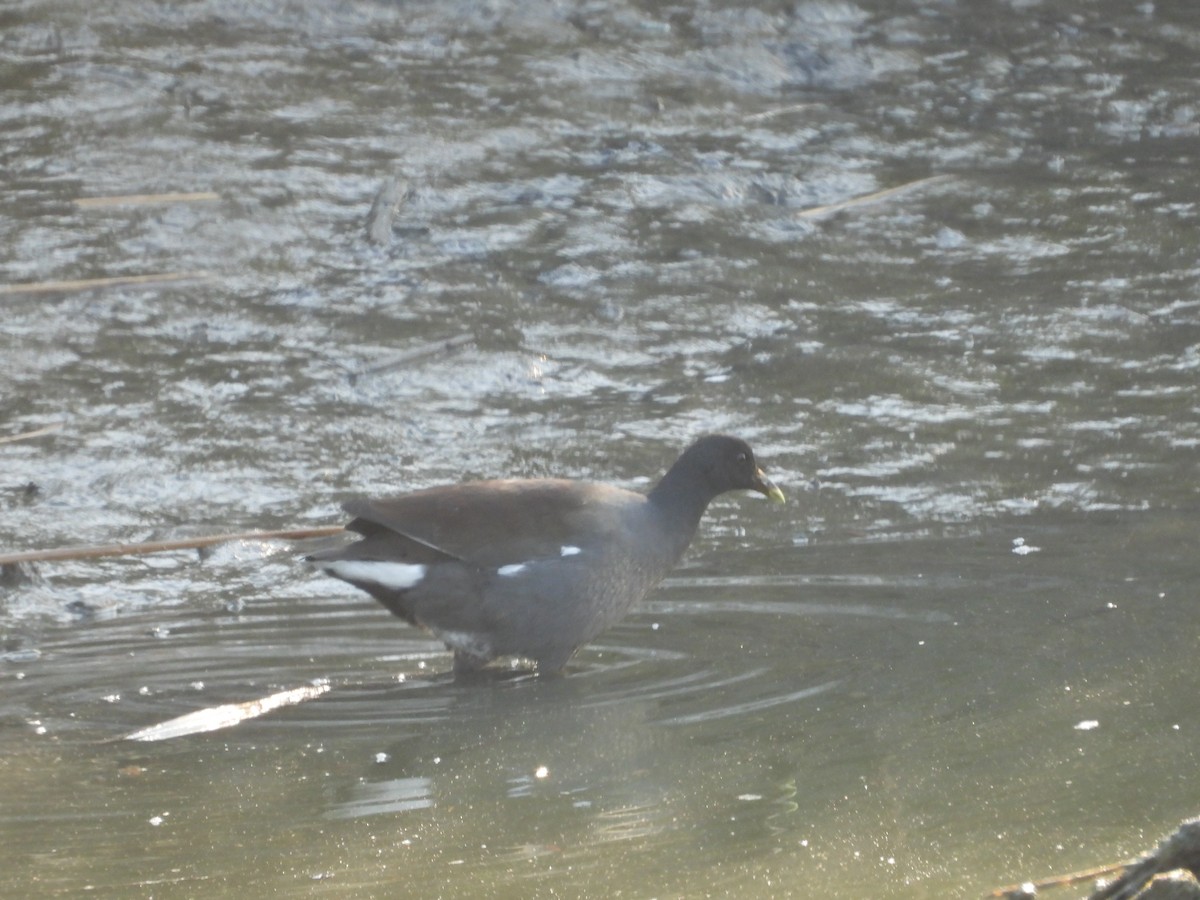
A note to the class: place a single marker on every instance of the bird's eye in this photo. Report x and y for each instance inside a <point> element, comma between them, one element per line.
<point>741,457</point>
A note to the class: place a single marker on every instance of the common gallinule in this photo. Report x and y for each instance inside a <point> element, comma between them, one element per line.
<point>533,568</point>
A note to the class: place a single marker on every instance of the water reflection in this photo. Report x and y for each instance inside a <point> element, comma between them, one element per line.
<point>373,798</point>
<point>627,225</point>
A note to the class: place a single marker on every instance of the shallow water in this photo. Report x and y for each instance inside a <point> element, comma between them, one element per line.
<point>961,656</point>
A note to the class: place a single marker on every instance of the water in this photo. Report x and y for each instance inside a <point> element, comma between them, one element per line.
<point>958,658</point>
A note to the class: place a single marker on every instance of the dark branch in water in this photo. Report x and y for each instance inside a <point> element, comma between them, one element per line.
<point>66,553</point>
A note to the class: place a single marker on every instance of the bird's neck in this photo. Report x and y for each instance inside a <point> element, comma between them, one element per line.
<point>680,506</point>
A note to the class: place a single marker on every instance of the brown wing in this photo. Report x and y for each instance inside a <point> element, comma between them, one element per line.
<point>493,523</point>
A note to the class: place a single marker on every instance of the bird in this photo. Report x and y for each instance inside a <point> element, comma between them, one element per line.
<point>532,568</point>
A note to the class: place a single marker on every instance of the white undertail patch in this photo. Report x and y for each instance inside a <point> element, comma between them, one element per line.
<point>394,576</point>
<point>568,550</point>
<point>476,645</point>
<point>509,571</point>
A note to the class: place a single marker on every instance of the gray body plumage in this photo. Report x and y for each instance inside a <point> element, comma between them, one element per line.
<point>530,568</point>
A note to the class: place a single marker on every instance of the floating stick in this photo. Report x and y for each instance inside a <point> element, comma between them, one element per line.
<point>816,212</point>
<point>87,284</point>
<point>146,199</point>
<point>13,438</point>
<point>94,552</point>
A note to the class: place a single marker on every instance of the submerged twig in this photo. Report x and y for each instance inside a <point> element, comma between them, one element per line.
<point>1031,888</point>
<point>93,552</point>
<point>411,355</point>
<point>1178,851</point>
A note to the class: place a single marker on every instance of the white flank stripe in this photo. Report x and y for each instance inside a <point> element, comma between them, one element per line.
<point>392,575</point>
<point>509,571</point>
<point>568,550</point>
